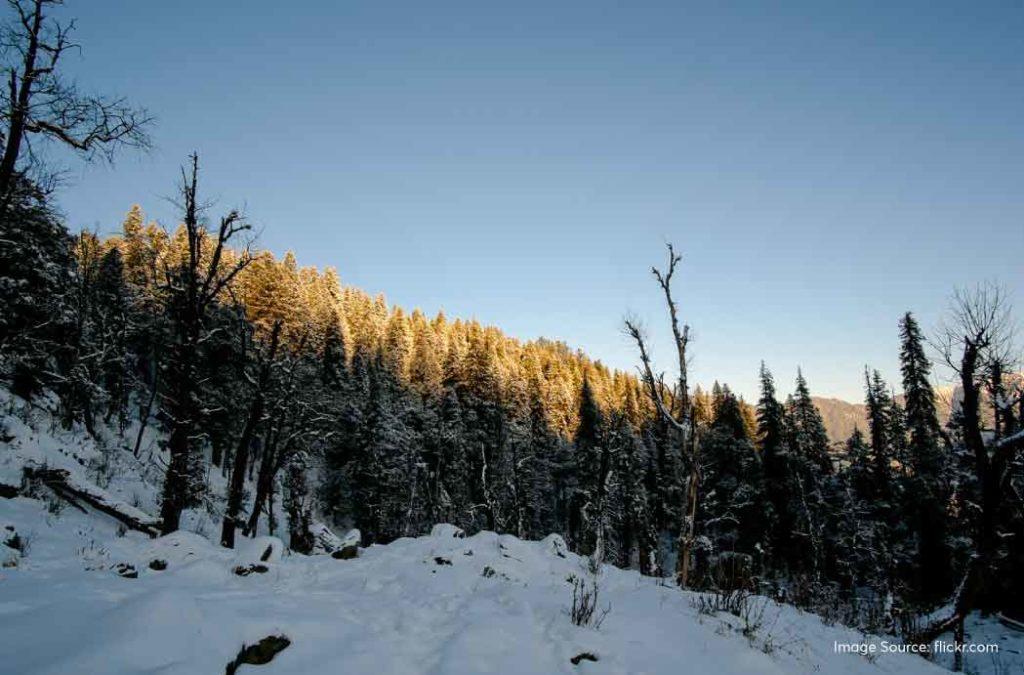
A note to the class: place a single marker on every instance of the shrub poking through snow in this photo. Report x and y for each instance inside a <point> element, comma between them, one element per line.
<point>740,603</point>
<point>584,611</point>
<point>732,601</point>
<point>261,653</point>
<point>158,565</point>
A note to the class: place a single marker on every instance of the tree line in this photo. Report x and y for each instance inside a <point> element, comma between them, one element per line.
<point>300,389</point>
<point>306,393</point>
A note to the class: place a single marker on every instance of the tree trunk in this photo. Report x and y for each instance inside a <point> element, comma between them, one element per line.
<point>147,412</point>
<point>958,639</point>
<point>175,487</point>
<point>57,480</point>
<point>241,458</point>
<point>264,486</point>
<point>20,106</point>
<point>687,530</point>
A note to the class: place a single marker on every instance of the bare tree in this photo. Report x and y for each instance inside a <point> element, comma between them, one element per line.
<point>978,343</point>
<point>192,286</point>
<point>674,406</point>
<point>37,102</point>
<point>295,419</point>
<point>260,386</point>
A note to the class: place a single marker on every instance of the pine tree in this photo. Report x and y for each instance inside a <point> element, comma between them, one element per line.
<point>36,274</point>
<point>929,492</point>
<point>772,442</point>
<point>586,525</point>
<point>925,449</point>
<point>114,320</point>
<point>878,407</point>
<point>810,465</point>
<point>811,437</point>
<point>733,511</point>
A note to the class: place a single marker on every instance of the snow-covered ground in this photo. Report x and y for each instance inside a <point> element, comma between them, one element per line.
<point>435,604</point>
<point>82,597</point>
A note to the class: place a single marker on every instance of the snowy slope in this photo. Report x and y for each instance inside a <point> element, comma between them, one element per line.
<point>434,604</point>
<point>80,595</point>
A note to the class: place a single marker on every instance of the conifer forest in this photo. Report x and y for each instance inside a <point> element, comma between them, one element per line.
<point>200,434</point>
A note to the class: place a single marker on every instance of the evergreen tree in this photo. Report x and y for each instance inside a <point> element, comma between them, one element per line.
<point>114,322</point>
<point>734,508</point>
<point>591,464</point>
<point>878,407</point>
<point>775,458</point>
<point>810,465</point>
<point>37,271</point>
<point>928,493</point>
<point>812,442</point>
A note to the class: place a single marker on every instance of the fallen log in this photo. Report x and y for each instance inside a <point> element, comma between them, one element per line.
<point>1010,623</point>
<point>63,485</point>
<point>930,633</point>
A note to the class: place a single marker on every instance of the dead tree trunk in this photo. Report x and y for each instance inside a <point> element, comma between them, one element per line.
<point>147,412</point>
<point>40,103</point>
<point>673,405</point>
<point>980,340</point>
<point>192,287</point>
<point>57,480</point>
<point>264,488</point>
<point>237,485</point>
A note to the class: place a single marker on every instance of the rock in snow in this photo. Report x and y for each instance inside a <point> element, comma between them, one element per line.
<point>393,609</point>
<point>81,593</point>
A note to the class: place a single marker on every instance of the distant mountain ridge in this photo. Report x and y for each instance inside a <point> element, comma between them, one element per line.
<point>842,417</point>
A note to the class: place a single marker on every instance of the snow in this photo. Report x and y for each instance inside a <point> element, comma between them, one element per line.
<point>988,631</point>
<point>446,531</point>
<point>446,603</point>
<point>417,605</point>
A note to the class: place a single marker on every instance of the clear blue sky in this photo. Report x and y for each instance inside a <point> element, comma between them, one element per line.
<point>822,166</point>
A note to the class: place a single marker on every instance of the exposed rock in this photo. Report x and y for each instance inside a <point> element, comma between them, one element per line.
<point>158,565</point>
<point>246,570</point>
<point>583,656</point>
<point>259,549</point>
<point>442,561</point>
<point>9,557</point>
<point>13,540</point>
<point>346,552</point>
<point>126,571</point>
<point>259,654</point>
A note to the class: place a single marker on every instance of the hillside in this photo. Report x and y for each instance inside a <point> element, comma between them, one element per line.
<point>842,417</point>
<point>434,604</point>
<point>83,593</point>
